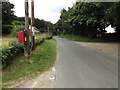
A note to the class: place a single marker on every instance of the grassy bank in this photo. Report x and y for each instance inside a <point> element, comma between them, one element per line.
<point>84,39</point>
<point>40,60</point>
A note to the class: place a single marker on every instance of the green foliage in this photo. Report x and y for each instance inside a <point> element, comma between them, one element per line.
<point>14,43</point>
<point>17,26</point>
<point>114,17</point>
<point>9,53</point>
<point>14,49</point>
<point>38,41</point>
<point>6,29</point>
<point>37,23</point>
<point>89,18</point>
<point>40,23</point>
<point>43,24</point>
<point>7,13</point>
<point>7,17</point>
<point>42,59</point>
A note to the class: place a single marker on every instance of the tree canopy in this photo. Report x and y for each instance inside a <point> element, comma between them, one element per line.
<point>89,18</point>
<point>7,17</point>
<point>7,13</point>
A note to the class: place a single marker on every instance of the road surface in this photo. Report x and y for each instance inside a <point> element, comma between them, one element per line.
<point>78,66</point>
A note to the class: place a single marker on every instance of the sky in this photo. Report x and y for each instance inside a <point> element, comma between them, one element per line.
<point>109,29</point>
<point>49,10</point>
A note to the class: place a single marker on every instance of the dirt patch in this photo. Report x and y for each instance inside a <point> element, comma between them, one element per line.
<point>44,80</point>
<point>110,48</point>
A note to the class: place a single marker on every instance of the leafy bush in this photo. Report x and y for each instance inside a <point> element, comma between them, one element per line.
<point>14,43</point>
<point>6,29</point>
<point>9,53</point>
<point>14,49</point>
<point>17,26</point>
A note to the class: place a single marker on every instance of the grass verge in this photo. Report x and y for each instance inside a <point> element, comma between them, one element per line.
<point>40,60</point>
<point>84,39</point>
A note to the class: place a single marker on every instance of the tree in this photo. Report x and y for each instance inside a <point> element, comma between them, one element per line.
<point>7,13</point>
<point>89,18</point>
<point>114,17</point>
<point>17,26</point>
<point>43,24</point>
<point>40,23</point>
<point>7,17</point>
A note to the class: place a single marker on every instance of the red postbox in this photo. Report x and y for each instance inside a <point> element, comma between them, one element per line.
<point>22,37</point>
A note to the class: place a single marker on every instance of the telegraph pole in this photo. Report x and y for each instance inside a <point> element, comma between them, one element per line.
<point>32,25</point>
<point>26,45</point>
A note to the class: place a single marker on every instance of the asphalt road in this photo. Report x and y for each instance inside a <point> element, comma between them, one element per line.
<point>78,66</point>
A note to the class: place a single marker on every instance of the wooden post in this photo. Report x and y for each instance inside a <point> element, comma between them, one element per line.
<point>27,45</point>
<point>32,25</point>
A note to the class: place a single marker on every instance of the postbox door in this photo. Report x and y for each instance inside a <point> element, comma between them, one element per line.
<point>22,37</point>
<point>25,37</point>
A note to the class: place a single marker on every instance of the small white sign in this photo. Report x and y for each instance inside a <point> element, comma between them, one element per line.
<point>33,31</point>
<point>25,38</point>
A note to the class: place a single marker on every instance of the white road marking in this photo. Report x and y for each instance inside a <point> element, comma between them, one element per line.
<point>52,78</point>
<point>53,69</point>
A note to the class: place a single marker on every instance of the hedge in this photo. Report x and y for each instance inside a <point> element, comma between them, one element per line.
<point>9,53</point>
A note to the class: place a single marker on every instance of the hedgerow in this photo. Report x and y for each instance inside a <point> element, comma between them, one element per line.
<point>15,49</point>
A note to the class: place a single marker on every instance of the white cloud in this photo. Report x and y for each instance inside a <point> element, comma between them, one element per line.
<point>48,10</point>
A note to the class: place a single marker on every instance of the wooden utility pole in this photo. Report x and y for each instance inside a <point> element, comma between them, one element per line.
<point>32,25</point>
<point>27,45</point>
